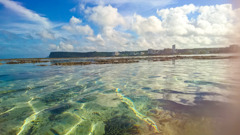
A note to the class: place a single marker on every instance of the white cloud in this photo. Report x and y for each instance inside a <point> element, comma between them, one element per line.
<point>151,2</point>
<point>47,34</point>
<point>86,48</point>
<point>131,6</point>
<point>75,20</point>
<point>97,40</point>
<point>216,20</point>
<point>146,25</point>
<point>175,20</point>
<point>188,26</point>
<point>109,39</point>
<point>61,47</point>
<point>53,47</point>
<point>75,27</point>
<point>26,13</point>
<point>209,20</point>
<point>114,37</point>
<point>105,16</point>
<point>30,21</point>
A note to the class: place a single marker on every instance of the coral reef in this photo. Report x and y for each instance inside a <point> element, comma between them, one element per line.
<point>111,60</point>
<point>70,63</point>
<point>23,61</point>
<point>115,61</point>
<point>121,125</point>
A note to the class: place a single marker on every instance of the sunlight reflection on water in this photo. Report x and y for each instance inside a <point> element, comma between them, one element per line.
<point>57,99</point>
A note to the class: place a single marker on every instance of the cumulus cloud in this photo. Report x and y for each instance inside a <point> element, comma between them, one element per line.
<point>105,16</point>
<point>151,2</point>
<point>130,6</point>
<point>75,27</point>
<point>47,34</point>
<point>210,20</point>
<point>30,22</point>
<point>61,47</point>
<point>146,25</point>
<point>201,26</point>
<point>97,40</point>
<point>216,20</point>
<point>114,37</point>
<point>175,20</point>
<point>26,13</point>
<point>188,26</point>
<point>109,39</point>
<point>75,20</point>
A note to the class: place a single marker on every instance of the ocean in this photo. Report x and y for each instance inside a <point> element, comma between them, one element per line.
<point>176,97</point>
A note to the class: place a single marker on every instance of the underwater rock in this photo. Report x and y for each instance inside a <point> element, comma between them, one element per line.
<point>96,113</point>
<point>94,107</point>
<point>6,92</point>
<point>61,95</point>
<point>55,98</point>
<point>99,128</point>
<point>58,124</point>
<point>14,118</point>
<point>13,91</point>
<point>108,100</point>
<point>54,131</point>
<point>59,109</point>
<point>109,91</point>
<point>154,77</point>
<point>146,88</point>
<point>121,125</point>
<point>86,99</point>
<point>42,65</point>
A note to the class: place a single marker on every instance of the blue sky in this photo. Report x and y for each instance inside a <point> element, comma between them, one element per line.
<point>33,28</point>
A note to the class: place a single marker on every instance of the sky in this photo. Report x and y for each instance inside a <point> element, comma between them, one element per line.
<point>34,28</point>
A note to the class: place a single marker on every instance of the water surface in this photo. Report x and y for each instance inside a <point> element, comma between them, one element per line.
<point>164,97</point>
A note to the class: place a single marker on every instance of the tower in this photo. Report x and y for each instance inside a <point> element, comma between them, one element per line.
<point>173,49</point>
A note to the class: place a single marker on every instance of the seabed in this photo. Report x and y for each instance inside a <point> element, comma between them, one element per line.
<point>145,98</point>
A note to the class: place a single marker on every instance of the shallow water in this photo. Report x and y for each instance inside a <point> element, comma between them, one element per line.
<point>167,97</point>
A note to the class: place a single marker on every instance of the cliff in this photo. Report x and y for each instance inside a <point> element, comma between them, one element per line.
<point>79,54</point>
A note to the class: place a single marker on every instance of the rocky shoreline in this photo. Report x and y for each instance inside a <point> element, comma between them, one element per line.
<point>111,60</point>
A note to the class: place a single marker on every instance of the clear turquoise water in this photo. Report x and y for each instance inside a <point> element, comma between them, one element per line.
<point>83,99</point>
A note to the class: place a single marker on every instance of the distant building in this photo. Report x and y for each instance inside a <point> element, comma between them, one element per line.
<point>116,54</point>
<point>150,51</point>
<point>154,52</point>
<point>168,51</point>
<point>165,51</point>
<point>173,49</point>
